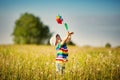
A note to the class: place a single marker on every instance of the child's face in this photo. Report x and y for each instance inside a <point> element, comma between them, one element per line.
<point>58,38</point>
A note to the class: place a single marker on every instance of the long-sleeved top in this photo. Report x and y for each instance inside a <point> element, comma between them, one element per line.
<point>62,53</point>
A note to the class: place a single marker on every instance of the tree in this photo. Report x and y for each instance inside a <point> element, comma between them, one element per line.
<point>71,43</point>
<point>108,45</point>
<point>30,30</point>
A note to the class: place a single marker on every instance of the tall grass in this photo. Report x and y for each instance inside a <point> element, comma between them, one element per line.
<point>33,62</point>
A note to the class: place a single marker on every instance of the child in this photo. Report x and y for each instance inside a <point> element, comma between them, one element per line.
<point>62,51</point>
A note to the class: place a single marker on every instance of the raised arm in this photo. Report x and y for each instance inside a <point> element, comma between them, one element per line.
<point>67,38</point>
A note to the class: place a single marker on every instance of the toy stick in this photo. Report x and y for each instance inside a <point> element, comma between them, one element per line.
<point>66,26</point>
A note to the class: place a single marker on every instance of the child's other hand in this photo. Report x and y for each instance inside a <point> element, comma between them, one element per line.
<point>70,33</point>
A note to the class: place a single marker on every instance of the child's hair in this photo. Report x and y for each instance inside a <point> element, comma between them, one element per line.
<point>53,39</point>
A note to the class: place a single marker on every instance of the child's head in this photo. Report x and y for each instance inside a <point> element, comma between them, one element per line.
<point>55,39</point>
<point>58,38</point>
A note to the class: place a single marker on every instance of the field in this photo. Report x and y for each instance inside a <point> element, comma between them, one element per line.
<point>35,62</point>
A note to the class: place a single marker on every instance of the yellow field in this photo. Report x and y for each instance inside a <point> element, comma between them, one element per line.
<point>33,62</point>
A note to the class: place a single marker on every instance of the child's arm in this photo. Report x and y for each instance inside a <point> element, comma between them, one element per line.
<point>67,38</point>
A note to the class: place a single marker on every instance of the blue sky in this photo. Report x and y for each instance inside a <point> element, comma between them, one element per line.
<point>94,22</point>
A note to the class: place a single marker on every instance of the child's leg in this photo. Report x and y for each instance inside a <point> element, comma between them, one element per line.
<point>57,67</point>
<point>62,67</point>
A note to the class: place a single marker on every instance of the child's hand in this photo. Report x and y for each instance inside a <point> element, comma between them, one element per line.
<point>70,33</point>
<point>67,38</point>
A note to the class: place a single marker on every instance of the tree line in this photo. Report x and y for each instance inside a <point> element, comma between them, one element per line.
<point>29,29</point>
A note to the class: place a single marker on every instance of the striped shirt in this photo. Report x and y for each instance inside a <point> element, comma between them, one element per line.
<point>62,53</point>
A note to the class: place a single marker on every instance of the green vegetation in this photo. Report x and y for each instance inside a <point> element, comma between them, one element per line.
<point>108,45</point>
<point>33,62</point>
<point>29,29</point>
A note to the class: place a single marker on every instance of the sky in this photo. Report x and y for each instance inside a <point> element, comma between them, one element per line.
<point>94,22</point>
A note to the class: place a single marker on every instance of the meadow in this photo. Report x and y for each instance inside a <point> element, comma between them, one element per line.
<point>37,62</point>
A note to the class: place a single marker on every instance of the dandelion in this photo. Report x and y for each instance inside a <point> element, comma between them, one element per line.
<point>109,51</point>
<point>88,56</point>
<point>7,63</point>
<point>50,75</point>
<point>117,65</point>
<point>113,64</point>
<point>100,55</point>
<point>53,63</point>
<point>74,67</point>
<point>41,72</point>
<point>110,54</point>
<point>47,63</point>
<point>98,69</point>
<point>33,68</point>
